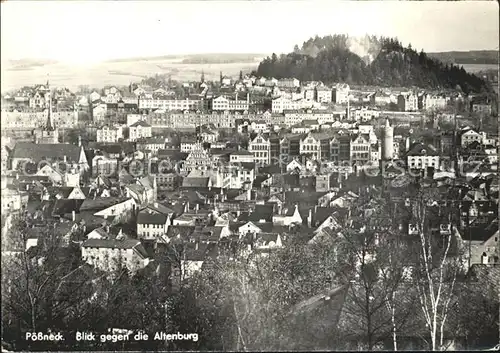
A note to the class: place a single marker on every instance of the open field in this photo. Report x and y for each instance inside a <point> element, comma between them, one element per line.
<point>473,68</point>
<point>119,72</point>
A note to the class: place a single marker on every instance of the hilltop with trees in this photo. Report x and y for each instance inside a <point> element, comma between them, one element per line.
<point>369,61</point>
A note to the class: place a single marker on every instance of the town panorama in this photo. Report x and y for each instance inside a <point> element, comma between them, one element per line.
<point>325,199</point>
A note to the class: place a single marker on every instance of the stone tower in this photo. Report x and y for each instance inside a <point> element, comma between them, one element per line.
<point>388,142</point>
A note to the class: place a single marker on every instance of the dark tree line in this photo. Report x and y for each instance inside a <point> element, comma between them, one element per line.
<point>370,61</point>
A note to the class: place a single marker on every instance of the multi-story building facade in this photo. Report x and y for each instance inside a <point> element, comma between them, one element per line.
<point>408,102</point>
<point>170,103</point>
<point>108,254</point>
<point>40,99</point>
<point>281,104</point>
<point>109,134</point>
<point>102,164</point>
<point>241,156</point>
<point>198,159</point>
<point>341,93</point>
<point>309,94</point>
<point>310,146</point>
<point>434,102</point>
<point>233,176</point>
<point>324,94</point>
<point>260,147</point>
<point>422,156</point>
<point>138,130</point>
<point>152,224</point>
<point>288,83</point>
<point>481,108</point>
<point>151,144</point>
<point>470,136</point>
<point>222,103</point>
<point>360,149</point>
<point>365,114</point>
<point>168,181</point>
<point>33,119</point>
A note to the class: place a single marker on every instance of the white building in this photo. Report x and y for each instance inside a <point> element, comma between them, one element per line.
<point>470,136</point>
<point>280,104</point>
<point>138,130</point>
<point>222,103</point>
<point>432,102</point>
<point>341,93</point>
<point>310,145</point>
<point>169,103</point>
<point>288,83</point>
<point>241,156</point>
<point>408,102</point>
<point>260,147</point>
<point>152,224</point>
<point>109,134</point>
<point>421,157</point>
<point>107,254</point>
<point>365,114</point>
<point>324,94</point>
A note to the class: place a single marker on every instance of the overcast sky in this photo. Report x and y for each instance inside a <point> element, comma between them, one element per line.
<point>90,31</point>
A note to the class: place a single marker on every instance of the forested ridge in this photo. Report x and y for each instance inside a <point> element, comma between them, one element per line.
<point>368,61</point>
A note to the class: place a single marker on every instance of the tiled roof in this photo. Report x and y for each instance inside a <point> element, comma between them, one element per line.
<point>145,217</point>
<point>140,123</point>
<point>160,208</point>
<point>62,191</point>
<point>100,204</point>
<point>420,149</point>
<point>264,212</point>
<point>183,231</point>
<point>62,207</point>
<point>116,244</point>
<point>40,152</point>
<point>242,152</point>
<point>195,182</point>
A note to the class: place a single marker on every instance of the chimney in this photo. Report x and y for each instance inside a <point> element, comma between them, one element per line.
<point>484,259</point>
<point>309,219</point>
<point>249,194</point>
<point>73,215</point>
<point>186,208</point>
<point>65,159</point>
<point>315,209</point>
<point>79,141</point>
<point>196,246</point>
<point>197,207</point>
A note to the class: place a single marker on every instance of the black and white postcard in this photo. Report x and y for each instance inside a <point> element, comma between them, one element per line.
<point>283,175</point>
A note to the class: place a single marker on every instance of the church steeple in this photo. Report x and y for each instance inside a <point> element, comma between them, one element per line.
<point>49,126</point>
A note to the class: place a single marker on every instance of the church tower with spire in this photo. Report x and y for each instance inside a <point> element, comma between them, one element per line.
<point>48,133</point>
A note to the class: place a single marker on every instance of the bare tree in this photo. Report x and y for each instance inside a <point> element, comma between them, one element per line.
<point>36,295</point>
<point>372,260</point>
<point>437,271</point>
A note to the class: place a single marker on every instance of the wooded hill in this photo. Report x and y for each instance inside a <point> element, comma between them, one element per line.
<point>368,61</point>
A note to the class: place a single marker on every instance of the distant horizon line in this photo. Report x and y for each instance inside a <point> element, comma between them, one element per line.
<point>163,56</point>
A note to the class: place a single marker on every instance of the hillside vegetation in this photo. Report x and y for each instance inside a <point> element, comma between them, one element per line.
<point>368,61</point>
